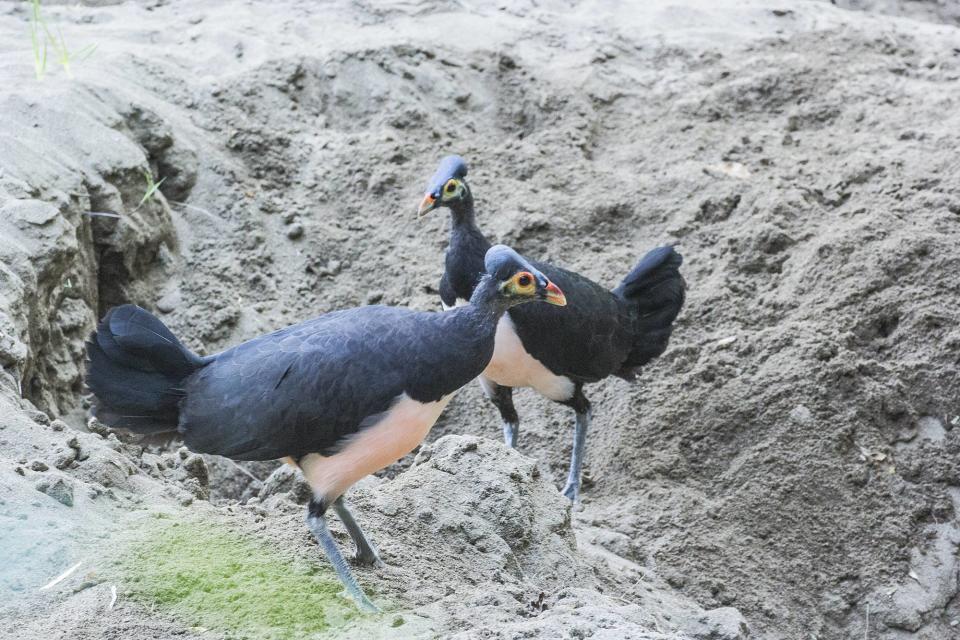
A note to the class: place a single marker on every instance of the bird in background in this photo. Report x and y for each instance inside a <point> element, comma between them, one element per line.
<point>341,396</point>
<point>557,351</point>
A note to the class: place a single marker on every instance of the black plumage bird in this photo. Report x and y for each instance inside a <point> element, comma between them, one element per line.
<point>342,395</point>
<point>557,351</point>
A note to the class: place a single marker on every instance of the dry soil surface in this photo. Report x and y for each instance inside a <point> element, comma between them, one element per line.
<point>790,468</point>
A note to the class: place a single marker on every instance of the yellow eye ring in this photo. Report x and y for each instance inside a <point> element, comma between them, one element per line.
<point>451,187</point>
<point>523,283</point>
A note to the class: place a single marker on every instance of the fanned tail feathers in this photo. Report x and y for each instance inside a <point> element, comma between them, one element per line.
<point>136,368</point>
<point>657,291</point>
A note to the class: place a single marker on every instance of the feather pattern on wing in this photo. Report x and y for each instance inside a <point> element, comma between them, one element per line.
<point>304,388</point>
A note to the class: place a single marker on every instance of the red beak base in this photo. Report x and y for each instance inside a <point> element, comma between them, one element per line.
<point>427,204</point>
<point>555,296</point>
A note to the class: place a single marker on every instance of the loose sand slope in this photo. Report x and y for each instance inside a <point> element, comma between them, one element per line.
<point>791,463</point>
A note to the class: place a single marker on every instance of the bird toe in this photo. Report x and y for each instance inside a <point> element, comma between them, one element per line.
<point>367,606</point>
<point>368,560</point>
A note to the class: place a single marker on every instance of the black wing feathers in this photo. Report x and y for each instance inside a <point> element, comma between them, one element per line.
<point>303,389</point>
<point>295,391</point>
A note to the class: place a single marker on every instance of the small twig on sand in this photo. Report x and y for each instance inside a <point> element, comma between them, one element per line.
<point>113,596</point>
<point>103,214</point>
<point>60,578</point>
<point>184,205</point>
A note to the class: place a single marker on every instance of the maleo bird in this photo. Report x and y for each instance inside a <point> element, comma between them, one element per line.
<point>556,352</point>
<point>341,396</point>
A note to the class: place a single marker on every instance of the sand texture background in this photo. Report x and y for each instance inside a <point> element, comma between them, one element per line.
<point>789,469</point>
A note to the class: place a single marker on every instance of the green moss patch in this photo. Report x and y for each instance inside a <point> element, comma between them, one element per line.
<point>211,577</point>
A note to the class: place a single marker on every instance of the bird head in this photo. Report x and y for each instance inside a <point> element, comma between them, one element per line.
<point>447,187</point>
<point>519,281</point>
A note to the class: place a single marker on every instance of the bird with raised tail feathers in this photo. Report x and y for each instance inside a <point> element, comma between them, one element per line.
<point>341,396</point>
<point>604,332</point>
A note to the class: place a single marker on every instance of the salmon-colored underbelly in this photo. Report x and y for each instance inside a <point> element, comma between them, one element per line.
<point>396,434</point>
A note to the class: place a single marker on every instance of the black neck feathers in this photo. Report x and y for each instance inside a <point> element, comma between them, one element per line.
<point>486,298</point>
<point>457,350</point>
<point>462,210</point>
<point>468,246</point>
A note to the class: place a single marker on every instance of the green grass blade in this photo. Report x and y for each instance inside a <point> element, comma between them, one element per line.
<point>151,188</point>
<point>42,38</point>
<point>39,48</point>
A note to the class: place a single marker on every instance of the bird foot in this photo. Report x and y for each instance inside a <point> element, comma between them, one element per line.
<point>366,606</point>
<point>368,560</point>
<point>572,491</point>
<point>318,527</point>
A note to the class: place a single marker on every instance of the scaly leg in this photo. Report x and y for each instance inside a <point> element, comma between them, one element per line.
<point>502,398</point>
<point>366,552</point>
<point>581,406</point>
<point>318,527</point>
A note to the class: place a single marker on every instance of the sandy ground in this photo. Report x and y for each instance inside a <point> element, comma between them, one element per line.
<point>788,469</point>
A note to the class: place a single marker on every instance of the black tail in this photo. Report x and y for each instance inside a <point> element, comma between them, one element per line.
<point>657,290</point>
<point>136,369</point>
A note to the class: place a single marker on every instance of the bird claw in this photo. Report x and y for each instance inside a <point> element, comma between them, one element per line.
<point>571,492</point>
<point>367,606</point>
<point>368,560</point>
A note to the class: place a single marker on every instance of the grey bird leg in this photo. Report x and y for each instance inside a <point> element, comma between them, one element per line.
<point>581,406</point>
<point>502,399</point>
<point>318,527</point>
<point>366,552</point>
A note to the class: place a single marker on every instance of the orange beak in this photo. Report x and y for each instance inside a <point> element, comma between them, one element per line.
<point>555,296</point>
<point>428,204</point>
